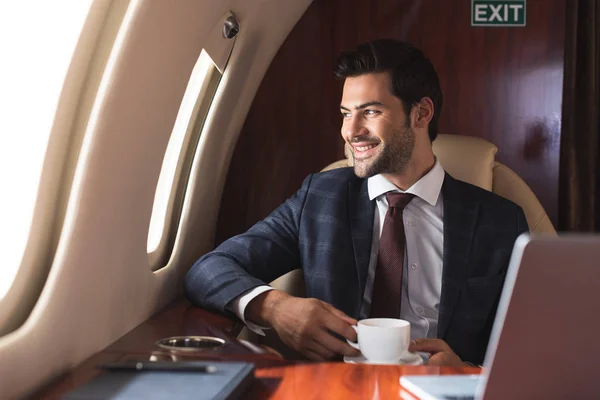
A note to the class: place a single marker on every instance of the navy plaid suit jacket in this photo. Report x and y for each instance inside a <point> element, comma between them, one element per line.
<point>326,228</point>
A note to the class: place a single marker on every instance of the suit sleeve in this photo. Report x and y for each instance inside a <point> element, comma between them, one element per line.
<point>266,251</point>
<point>522,226</point>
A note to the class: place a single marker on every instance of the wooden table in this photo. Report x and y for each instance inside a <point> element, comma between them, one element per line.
<point>277,378</point>
<point>339,380</point>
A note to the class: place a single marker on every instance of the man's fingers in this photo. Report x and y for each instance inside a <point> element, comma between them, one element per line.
<point>446,359</point>
<point>334,344</point>
<point>311,326</point>
<point>428,345</point>
<point>320,349</point>
<point>312,355</point>
<point>342,329</point>
<point>339,326</point>
<point>441,353</point>
<point>340,314</point>
<point>437,359</point>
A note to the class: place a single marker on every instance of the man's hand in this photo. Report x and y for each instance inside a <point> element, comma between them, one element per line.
<point>440,352</point>
<point>304,324</point>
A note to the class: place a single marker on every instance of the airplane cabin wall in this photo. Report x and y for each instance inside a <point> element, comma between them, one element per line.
<point>129,87</point>
<point>501,84</point>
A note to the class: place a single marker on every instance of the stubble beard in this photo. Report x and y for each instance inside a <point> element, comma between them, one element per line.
<point>392,158</point>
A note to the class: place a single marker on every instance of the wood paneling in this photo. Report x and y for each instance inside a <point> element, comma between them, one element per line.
<point>502,84</point>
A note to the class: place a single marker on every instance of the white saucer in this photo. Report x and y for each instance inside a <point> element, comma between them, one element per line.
<point>409,359</point>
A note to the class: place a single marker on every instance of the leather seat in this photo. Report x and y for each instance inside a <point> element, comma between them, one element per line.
<point>466,158</point>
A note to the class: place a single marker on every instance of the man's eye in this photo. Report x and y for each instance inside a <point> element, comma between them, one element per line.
<point>371,112</point>
<point>346,115</point>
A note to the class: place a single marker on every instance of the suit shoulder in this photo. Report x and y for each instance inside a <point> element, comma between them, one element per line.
<point>335,177</point>
<point>485,196</point>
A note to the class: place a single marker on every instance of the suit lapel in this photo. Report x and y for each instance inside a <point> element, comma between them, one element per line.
<point>460,218</point>
<point>361,213</point>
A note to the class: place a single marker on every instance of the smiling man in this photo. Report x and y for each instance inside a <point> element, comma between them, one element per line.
<point>395,236</point>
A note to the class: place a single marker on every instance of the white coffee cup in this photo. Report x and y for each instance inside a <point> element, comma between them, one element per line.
<point>382,339</point>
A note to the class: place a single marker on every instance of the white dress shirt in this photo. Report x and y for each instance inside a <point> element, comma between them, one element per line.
<point>423,258</point>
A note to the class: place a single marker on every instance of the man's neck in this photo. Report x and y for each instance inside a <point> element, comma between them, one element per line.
<point>414,171</point>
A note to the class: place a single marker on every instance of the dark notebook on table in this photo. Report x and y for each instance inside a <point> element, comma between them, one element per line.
<point>177,380</point>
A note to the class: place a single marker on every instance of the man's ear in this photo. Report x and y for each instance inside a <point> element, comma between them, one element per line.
<point>423,113</point>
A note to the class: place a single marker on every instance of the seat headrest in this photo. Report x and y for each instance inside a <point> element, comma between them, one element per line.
<point>467,158</point>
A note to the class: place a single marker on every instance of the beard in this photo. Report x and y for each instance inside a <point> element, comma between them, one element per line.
<point>393,156</point>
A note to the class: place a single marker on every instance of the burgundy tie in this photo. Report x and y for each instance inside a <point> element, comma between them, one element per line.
<point>387,287</point>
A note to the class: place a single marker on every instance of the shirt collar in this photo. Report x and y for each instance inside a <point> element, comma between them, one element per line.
<point>427,188</point>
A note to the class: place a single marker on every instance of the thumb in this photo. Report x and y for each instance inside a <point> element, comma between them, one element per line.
<point>340,314</point>
<point>428,345</point>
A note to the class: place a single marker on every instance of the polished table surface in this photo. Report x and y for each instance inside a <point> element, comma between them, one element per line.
<point>339,380</point>
<point>277,378</point>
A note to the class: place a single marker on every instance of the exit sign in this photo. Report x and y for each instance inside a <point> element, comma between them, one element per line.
<point>498,12</point>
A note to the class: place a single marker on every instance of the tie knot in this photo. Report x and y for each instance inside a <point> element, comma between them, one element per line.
<point>398,200</point>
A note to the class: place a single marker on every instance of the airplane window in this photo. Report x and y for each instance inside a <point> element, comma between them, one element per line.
<point>37,43</point>
<point>168,198</point>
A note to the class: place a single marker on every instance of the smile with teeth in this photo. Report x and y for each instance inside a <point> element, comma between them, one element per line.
<point>362,149</point>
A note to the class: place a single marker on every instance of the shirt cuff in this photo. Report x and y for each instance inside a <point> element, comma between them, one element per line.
<point>239,307</point>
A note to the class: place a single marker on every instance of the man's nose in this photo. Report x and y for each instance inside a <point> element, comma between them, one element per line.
<point>353,129</point>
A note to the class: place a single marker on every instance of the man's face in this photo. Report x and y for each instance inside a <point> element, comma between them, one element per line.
<point>375,126</point>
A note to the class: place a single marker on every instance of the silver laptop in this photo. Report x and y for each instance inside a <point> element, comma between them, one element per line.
<point>545,343</point>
